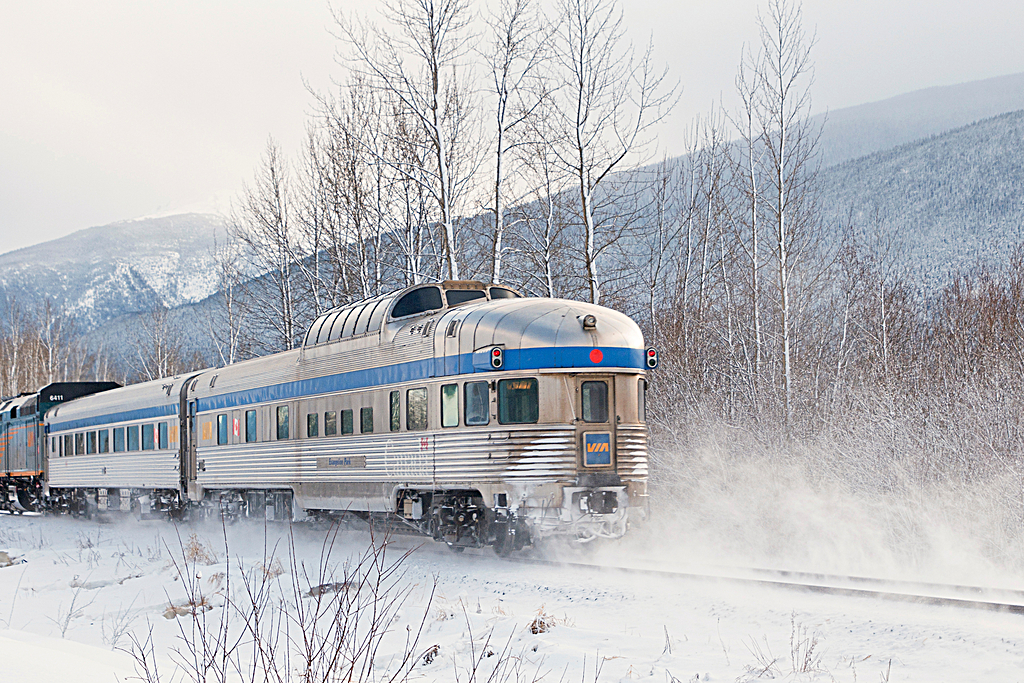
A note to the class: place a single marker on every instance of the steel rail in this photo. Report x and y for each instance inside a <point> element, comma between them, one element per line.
<point>1003,600</point>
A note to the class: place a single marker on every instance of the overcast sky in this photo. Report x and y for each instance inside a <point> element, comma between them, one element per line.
<point>115,109</point>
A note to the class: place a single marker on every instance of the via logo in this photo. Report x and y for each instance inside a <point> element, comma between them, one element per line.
<point>597,448</point>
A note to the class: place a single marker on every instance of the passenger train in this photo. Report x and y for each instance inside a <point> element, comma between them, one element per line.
<point>459,409</point>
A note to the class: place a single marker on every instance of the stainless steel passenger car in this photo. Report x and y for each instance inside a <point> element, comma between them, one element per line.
<point>469,413</point>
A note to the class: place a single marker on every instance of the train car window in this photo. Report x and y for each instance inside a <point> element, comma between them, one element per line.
<point>53,445</point>
<point>79,443</point>
<point>282,422</point>
<point>365,420</point>
<point>250,426</point>
<point>416,409</point>
<point>68,448</point>
<point>502,293</point>
<point>338,329</point>
<point>418,301</point>
<point>330,423</point>
<point>103,440</point>
<point>162,435</point>
<point>346,422</point>
<point>119,439</point>
<point>313,336</point>
<point>518,401</point>
<point>222,429</point>
<point>148,442</point>
<point>325,331</point>
<point>461,296</point>
<point>133,438</point>
<point>350,322</point>
<point>396,411</point>
<point>641,400</point>
<point>312,424</point>
<point>377,316</point>
<point>475,408</point>
<point>450,404</point>
<point>364,318</point>
<point>90,443</point>
<point>595,401</point>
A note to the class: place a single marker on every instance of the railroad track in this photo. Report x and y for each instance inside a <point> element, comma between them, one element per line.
<point>969,597</point>
<point>920,592</point>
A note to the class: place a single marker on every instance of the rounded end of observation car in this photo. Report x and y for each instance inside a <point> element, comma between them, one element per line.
<point>546,333</point>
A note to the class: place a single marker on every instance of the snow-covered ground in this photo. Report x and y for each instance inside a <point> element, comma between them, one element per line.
<point>80,593</point>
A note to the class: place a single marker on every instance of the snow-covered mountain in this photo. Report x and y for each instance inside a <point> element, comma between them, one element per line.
<point>105,272</point>
<point>857,131</point>
<point>950,201</point>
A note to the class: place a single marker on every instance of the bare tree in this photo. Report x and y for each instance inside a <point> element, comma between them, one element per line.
<point>746,172</point>
<point>515,57</point>
<point>607,103</point>
<point>783,76</point>
<point>54,338</point>
<point>12,349</point>
<point>538,241</point>
<point>155,350</point>
<point>262,225</point>
<point>226,323</point>
<point>420,60</point>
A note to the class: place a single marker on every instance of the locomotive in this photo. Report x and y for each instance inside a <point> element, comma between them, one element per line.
<point>457,409</point>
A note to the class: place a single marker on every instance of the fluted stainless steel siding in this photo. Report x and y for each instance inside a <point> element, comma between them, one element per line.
<point>533,452</point>
<point>135,469</point>
<point>631,451</point>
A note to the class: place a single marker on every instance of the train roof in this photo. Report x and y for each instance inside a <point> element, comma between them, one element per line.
<point>367,316</point>
<point>16,402</point>
<point>155,399</point>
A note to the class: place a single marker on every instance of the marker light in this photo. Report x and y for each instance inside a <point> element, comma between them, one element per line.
<point>497,358</point>
<point>652,358</point>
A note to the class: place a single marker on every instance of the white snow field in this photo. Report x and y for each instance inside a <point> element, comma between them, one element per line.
<point>78,597</point>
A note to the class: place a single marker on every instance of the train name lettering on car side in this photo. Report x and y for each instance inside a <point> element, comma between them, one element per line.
<point>338,462</point>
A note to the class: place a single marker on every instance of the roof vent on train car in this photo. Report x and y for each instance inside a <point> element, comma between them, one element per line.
<point>589,322</point>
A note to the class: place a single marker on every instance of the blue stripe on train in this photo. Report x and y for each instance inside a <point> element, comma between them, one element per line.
<point>515,359</point>
<point>168,410</point>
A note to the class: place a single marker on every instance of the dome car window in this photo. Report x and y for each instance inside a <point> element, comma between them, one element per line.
<point>502,293</point>
<point>418,301</point>
<point>377,315</point>
<point>364,318</point>
<point>461,296</point>
<point>350,322</point>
